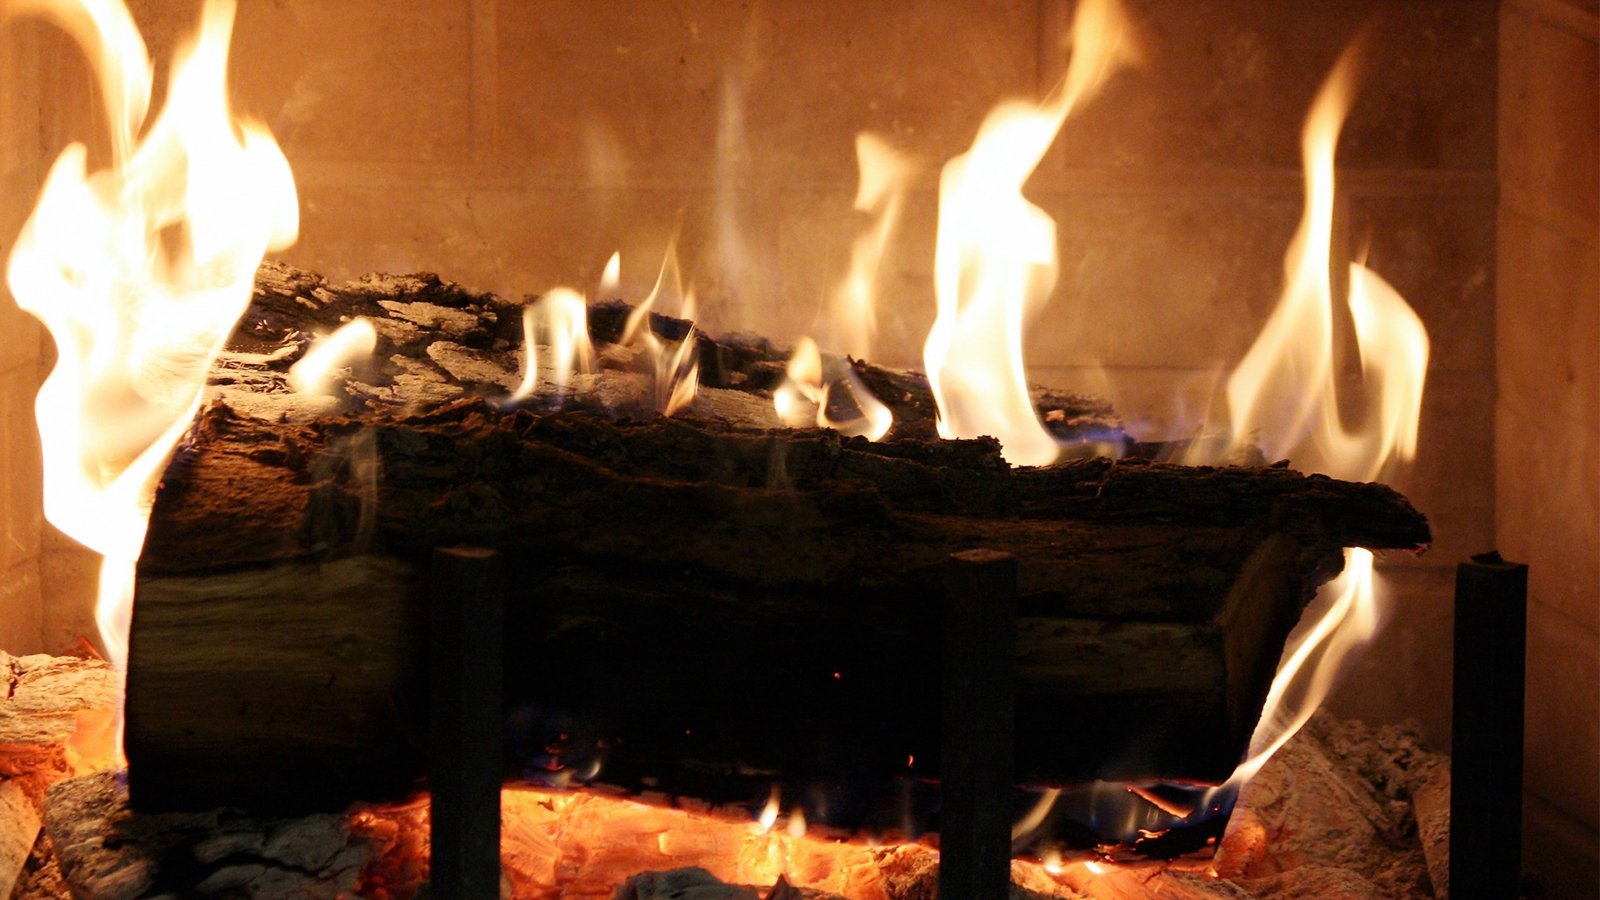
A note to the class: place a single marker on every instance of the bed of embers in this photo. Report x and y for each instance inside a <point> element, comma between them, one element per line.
<point>1344,810</point>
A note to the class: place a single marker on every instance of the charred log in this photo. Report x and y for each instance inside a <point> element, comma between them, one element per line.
<point>707,598</point>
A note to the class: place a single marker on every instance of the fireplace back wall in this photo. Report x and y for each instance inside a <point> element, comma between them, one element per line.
<point>513,146</point>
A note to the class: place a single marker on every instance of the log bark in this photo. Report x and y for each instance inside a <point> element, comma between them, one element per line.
<point>703,600</point>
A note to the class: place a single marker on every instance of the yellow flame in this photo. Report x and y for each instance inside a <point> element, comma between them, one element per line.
<point>797,823</point>
<point>561,319</point>
<point>139,272</point>
<point>1312,662</point>
<point>313,374</point>
<point>1285,395</point>
<point>675,366</point>
<point>611,278</point>
<point>995,252</point>
<point>802,398</point>
<point>769,812</point>
<point>885,175</point>
<point>530,355</point>
<point>1035,817</point>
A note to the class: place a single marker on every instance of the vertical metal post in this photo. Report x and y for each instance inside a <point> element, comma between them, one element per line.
<point>467,614</point>
<point>1486,756</point>
<point>979,725</point>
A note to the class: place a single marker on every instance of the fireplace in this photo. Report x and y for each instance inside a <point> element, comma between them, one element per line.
<point>513,147</point>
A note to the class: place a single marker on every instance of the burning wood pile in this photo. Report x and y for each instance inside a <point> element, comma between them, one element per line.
<point>710,592</point>
<point>725,558</point>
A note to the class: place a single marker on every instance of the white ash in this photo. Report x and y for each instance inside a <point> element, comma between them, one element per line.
<point>454,322</point>
<point>109,853</point>
<point>1336,809</point>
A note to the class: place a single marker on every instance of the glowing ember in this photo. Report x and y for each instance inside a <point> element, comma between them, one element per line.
<point>995,253</point>
<point>571,845</point>
<point>140,271</point>
<point>559,844</point>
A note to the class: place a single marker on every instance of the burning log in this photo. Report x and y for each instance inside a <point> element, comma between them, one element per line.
<point>699,602</point>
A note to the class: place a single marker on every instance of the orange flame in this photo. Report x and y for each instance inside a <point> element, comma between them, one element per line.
<point>561,316</point>
<point>853,319</point>
<point>675,365</point>
<point>140,271</point>
<point>1312,662</point>
<point>611,276</point>
<point>885,175</point>
<point>1285,395</point>
<point>995,252</point>
<point>802,398</point>
<point>313,374</point>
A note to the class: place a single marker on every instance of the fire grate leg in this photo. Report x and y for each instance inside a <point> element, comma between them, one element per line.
<point>979,724</point>
<point>1486,752</point>
<point>467,616</point>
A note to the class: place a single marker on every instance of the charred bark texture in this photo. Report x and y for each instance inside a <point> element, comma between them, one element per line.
<point>697,600</point>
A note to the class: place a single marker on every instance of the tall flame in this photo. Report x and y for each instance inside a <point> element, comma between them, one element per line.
<point>1285,395</point>
<point>853,318</point>
<point>885,175</point>
<point>140,271</point>
<point>995,252</point>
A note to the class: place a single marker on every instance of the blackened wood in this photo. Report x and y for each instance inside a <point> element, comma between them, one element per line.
<point>465,768</point>
<point>681,567</point>
<point>1158,594</point>
<point>1491,613</point>
<point>273,686</point>
<point>978,725</point>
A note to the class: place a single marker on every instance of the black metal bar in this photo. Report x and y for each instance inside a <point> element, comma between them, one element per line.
<point>467,613</point>
<point>1486,754</point>
<point>979,725</point>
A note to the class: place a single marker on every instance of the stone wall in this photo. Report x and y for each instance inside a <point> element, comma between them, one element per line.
<point>21,517</point>
<point>1547,414</point>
